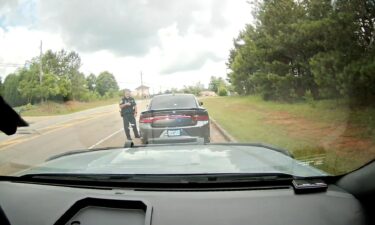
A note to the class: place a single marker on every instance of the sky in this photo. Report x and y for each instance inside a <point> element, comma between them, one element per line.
<point>173,42</point>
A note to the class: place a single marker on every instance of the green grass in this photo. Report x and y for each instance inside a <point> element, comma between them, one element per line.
<point>344,136</point>
<point>54,108</point>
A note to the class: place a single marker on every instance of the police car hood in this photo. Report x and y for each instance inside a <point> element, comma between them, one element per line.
<point>183,159</point>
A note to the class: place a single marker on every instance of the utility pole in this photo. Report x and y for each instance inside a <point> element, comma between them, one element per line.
<point>40,67</point>
<point>141,84</point>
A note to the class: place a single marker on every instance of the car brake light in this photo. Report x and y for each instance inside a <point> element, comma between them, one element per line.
<point>146,120</point>
<point>200,118</point>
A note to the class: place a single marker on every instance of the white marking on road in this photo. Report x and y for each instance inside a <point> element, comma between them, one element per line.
<point>106,138</point>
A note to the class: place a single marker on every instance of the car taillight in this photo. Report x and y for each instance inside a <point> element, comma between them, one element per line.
<point>200,117</point>
<point>146,120</point>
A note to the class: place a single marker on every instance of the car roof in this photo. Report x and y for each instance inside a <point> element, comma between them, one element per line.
<point>177,94</point>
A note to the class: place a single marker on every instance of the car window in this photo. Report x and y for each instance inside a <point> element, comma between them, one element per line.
<point>173,102</point>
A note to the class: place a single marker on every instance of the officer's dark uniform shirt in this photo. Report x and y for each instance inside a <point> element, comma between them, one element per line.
<point>128,110</point>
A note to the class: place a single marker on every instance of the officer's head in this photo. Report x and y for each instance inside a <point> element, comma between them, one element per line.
<point>127,93</point>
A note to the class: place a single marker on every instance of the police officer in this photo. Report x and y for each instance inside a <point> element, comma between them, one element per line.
<point>129,112</point>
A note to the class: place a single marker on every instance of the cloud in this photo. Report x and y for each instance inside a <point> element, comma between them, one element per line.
<point>17,13</point>
<point>163,38</point>
<point>184,52</point>
<point>19,44</point>
<point>125,27</point>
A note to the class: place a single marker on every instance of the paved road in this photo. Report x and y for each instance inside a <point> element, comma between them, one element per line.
<point>48,136</point>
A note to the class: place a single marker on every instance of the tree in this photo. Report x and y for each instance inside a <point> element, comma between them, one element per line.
<point>49,86</point>
<point>215,83</point>
<point>194,89</point>
<point>1,86</point>
<point>78,85</point>
<point>325,48</point>
<point>10,90</point>
<point>65,66</point>
<point>29,85</point>
<point>91,82</point>
<point>106,82</point>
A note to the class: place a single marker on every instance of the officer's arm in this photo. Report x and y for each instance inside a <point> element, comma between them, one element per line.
<point>134,104</point>
<point>123,105</point>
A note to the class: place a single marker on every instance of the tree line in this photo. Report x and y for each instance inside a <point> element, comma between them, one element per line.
<point>60,80</point>
<point>318,48</point>
<point>216,84</point>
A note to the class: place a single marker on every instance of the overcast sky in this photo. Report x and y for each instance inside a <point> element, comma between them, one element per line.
<point>174,42</point>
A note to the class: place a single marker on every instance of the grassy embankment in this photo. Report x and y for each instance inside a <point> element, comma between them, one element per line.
<point>344,138</point>
<point>53,108</point>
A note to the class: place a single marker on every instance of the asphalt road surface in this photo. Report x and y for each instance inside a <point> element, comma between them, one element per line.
<point>48,136</point>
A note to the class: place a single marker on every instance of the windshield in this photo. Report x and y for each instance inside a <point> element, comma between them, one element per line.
<point>187,87</point>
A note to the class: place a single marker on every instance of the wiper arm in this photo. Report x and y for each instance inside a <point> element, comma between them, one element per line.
<point>78,177</point>
<point>252,177</point>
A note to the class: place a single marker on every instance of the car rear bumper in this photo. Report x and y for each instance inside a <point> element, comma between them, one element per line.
<point>176,140</point>
<point>189,133</point>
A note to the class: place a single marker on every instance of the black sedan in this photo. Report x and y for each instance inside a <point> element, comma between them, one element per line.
<point>174,118</point>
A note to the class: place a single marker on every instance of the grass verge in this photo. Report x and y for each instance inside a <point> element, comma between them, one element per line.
<point>328,134</point>
<point>53,108</point>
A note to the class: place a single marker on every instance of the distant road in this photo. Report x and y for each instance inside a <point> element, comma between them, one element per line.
<point>51,135</point>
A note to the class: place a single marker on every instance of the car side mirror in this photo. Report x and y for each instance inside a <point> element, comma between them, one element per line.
<point>200,103</point>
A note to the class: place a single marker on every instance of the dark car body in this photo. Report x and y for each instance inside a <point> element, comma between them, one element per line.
<point>174,118</point>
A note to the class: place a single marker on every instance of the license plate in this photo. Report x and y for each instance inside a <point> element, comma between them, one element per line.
<point>172,133</point>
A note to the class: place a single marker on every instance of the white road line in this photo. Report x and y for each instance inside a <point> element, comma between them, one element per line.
<point>106,138</point>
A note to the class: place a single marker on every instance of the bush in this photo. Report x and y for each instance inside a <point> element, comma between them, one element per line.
<point>222,91</point>
<point>274,87</point>
<point>111,94</point>
<point>309,98</point>
<point>90,96</point>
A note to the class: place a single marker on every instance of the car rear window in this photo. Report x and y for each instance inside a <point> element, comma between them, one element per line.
<point>173,102</point>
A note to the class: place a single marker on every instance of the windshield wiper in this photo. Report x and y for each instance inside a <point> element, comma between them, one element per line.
<point>166,178</point>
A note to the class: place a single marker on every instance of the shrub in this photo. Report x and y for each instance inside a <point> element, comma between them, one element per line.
<point>222,91</point>
<point>309,98</point>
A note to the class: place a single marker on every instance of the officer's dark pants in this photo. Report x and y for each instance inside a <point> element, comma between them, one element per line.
<point>129,119</point>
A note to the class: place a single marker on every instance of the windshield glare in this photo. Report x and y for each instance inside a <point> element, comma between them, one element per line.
<point>187,87</point>
<point>186,159</point>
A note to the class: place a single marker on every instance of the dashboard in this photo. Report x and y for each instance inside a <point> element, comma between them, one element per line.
<point>36,204</point>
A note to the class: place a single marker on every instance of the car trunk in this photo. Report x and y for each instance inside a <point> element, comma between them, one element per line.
<point>173,117</point>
